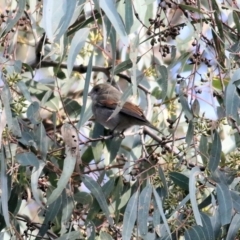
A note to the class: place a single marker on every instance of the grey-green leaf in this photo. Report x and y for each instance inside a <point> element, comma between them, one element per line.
<point>33,113</point>
<point>27,159</point>
<point>68,167</point>
<point>190,133</point>
<point>225,203</point>
<point>110,10</point>
<point>160,209</point>
<point>130,216</point>
<point>97,192</point>
<point>143,210</point>
<point>77,44</point>
<point>85,92</point>
<point>234,227</point>
<point>215,154</point>
<point>128,16</point>
<point>192,191</point>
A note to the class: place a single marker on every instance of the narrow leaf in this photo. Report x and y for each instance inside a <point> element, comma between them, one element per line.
<point>215,155</point>
<point>143,209</point>
<point>192,191</point>
<point>97,192</point>
<point>225,203</point>
<point>110,10</point>
<point>234,227</point>
<point>4,189</point>
<point>128,16</point>
<point>180,179</point>
<point>77,44</point>
<point>27,159</point>
<point>190,133</point>
<point>85,92</point>
<point>163,81</point>
<point>160,208</point>
<point>36,172</point>
<point>68,167</point>
<point>130,216</point>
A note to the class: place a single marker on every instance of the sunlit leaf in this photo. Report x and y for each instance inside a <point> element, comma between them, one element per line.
<point>77,44</point>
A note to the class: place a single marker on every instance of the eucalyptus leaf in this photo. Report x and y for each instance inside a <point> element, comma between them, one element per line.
<point>215,154</point>
<point>68,167</point>
<point>143,209</point>
<point>225,203</point>
<point>98,194</point>
<point>77,44</point>
<point>130,216</point>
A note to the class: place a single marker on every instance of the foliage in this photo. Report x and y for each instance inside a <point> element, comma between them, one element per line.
<point>63,176</point>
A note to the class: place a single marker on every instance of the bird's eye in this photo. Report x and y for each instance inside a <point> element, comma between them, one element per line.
<point>96,89</point>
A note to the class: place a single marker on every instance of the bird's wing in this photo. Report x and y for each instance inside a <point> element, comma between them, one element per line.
<point>128,108</point>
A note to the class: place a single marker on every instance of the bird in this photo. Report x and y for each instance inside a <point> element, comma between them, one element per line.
<point>105,98</point>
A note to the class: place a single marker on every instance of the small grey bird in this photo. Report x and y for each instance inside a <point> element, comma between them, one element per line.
<point>105,99</point>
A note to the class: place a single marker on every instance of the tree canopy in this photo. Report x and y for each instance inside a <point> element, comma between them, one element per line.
<point>64,176</point>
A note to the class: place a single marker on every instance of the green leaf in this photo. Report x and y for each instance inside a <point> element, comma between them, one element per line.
<point>130,216</point>
<point>23,88</point>
<point>41,140</point>
<point>234,227</point>
<point>225,203</point>
<point>164,182</point>
<point>110,10</point>
<point>68,167</point>
<point>15,200</point>
<point>236,201</point>
<point>67,208</point>
<point>7,98</point>
<point>203,149</point>
<point>236,20</point>
<point>179,179</point>
<point>195,108</point>
<point>57,17</point>
<point>196,233</point>
<point>27,159</point>
<point>231,98</point>
<point>190,133</point>
<point>75,235</point>
<point>77,44</point>
<point>128,16</point>
<point>83,197</point>
<point>215,154</point>
<point>4,189</point>
<point>190,8</point>
<point>192,191</point>
<point>51,213</point>
<point>184,101</point>
<point>105,236</point>
<point>143,209</point>
<point>85,93</point>
<point>36,172</point>
<point>125,65</point>
<point>97,192</point>
<point>207,226</point>
<point>33,113</point>
<point>46,97</point>
<point>160,209</point>
<point>163,81</point>
<point>12,21</point>
<point>113,146</point>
